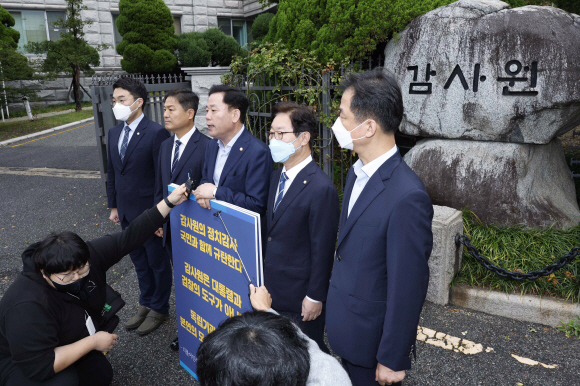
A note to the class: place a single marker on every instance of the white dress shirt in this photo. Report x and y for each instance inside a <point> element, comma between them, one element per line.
<point>184,139</point>
<point>291,174</point>
<point>132,126</point>
<point>364,173</point>
<point>222,157</point>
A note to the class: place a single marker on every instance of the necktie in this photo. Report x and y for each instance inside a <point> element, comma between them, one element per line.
<point>175,155</point>
<point>125,142</point>
<point>283,179</point>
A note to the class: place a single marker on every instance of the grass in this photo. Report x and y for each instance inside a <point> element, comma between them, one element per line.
<point>9,130</point>
<point>48,109</point>
<point>572,328</point>
<point>520,249</point>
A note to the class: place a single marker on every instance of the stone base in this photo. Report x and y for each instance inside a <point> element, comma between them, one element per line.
<point>502,183</point>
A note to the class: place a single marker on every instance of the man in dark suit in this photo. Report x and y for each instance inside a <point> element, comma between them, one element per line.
<point>302,222</point>
<point>237,164</point>
<point>181,156</point>
<point>380,274</point>
<point>133,151</point>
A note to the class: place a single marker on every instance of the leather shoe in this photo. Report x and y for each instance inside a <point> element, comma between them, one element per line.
<point>175,344</point>
<point>152,321</point>
<point>138,318</point>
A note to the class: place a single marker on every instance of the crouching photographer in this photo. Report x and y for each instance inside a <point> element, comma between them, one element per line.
<point>57,318</point>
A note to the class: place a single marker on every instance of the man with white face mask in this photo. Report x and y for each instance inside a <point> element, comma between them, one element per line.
<point>133,153</point>
<point>302,221</point>
<point>380,274</point>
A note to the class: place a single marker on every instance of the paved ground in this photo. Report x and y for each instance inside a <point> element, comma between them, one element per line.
<point>35,205</point>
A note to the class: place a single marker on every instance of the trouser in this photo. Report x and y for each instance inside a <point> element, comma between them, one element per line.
<point>314,329</point>
<point>153,273</point>
<point>362,376</point>
<point>91,370</point>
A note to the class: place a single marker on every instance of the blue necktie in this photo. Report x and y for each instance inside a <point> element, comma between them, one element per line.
<point>125,142</point>
<point>283,179</point>
<point>175,155</point>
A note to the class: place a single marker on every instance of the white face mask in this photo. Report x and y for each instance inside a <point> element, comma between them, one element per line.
<point>122,112</point>
<point>343,135</point>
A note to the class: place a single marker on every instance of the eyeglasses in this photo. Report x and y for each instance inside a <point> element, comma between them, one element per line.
<point>279,134</point>
<point>67,278</point>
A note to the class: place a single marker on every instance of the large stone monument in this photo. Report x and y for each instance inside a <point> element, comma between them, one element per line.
<point>491,88</point>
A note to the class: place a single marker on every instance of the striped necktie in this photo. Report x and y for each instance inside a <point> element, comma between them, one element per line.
<point>125,143</point>
<point>283,179</point>
<point>175,155</point>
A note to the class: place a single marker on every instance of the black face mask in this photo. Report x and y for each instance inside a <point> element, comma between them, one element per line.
<point>74,288</point>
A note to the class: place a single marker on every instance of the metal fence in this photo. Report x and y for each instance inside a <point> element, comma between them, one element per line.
<point>264,92</point>
<point>102,92</point>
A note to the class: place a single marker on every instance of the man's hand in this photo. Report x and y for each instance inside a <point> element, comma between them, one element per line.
<point>310,310</point>
<point>204,203</point>
<point>204,191</point>
<point>385,376</point>
<point>260,298</point>
<point>159,232</point>
<point>114,217</point>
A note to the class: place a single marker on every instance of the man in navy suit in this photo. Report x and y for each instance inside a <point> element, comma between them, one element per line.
<point>380,274</point>
<point>237,165</point>
<point>181,156</point>
<point>302,222</point>
<point>133,151</point>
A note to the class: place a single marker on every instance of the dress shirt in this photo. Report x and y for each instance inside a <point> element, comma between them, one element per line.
<point>222,157</point>
<point>132,126</point>
<point>364,173</point>
<point>291,174</point>
<point>184,139</point>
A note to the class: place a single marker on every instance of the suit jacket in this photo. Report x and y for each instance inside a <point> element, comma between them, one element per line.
<point>301,238</point>
<point>380,275</point>
<point>190,161</point>
<point>131,183</point>
<point>245,177</point>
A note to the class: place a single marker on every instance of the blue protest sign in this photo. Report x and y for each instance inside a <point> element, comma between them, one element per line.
<point>208,262</point>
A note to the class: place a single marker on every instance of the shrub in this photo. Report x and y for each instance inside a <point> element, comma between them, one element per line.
<point>148,36</point>
<point>193,50</point>
<point>261,26</point>
<point>221,47</point>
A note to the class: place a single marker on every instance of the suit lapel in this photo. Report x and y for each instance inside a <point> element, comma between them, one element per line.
<point>135,139</point>
<point>115,143</point>
<point>372,189</point>
<point>300,181</point>
<point>272,194</point>
<point>211,155</point>
<point>350,179</point>
<point>238,148</point>
<point>166,150</point>
<point>187,152</point>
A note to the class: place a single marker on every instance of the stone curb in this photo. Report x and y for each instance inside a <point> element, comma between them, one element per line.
<point>9,141</point>
<point>527,308</point>
<point>44,115</point>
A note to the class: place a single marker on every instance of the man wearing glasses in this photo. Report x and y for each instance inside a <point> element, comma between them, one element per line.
<point>133,153</point>
<point>302,223</point>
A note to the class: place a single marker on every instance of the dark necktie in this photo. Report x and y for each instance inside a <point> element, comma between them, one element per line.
<point>283,179</point>
<point>175,155</point>
<point>124,143</point>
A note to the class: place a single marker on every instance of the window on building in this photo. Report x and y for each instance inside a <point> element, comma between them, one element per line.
<point>177,24</point>
<point>240,29</point>
<point>36,26</point>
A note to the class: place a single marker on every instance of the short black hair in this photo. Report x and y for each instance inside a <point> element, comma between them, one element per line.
<point>302,117</point>
<point>254,348</point>
<point>377,96</point>
<point>135,87</point>
<point>233,97</point>
<point>60,253</point>
<point>186,98</point>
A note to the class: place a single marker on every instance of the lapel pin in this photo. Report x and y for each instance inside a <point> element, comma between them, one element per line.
<point>137,133</point>
<point>304,182</point>
<point>241,149</point>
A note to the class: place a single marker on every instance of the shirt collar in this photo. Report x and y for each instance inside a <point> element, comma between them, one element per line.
<point>185,138</point>
<point>133,125</point>
<point>292,173</point>
<point>232,141</point>
<point>369,169</point>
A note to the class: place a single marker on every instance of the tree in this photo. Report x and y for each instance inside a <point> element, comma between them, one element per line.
<point>221,46</point>
<point>261,26</point>
<point>212,47</point>
<point>148,36</point>
<point>71,53</point>
<point>193,50</point>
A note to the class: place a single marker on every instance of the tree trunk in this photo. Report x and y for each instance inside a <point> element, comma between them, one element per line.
<point>77,89</point>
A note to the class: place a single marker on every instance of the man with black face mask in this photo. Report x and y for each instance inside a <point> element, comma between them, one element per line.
<point>52,329</point>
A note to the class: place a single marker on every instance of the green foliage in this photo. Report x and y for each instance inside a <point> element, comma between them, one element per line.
<point>221,46</point>
<point>8,36</point>
<point>522,250</point>
<point>572,328</point>
<point>572,6</point>
<point>337,29</point>
<point>148,36</point>
<point>261,26</point>
<point>71,54</point>
<point>516,3</point>
<point>212,47</point>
